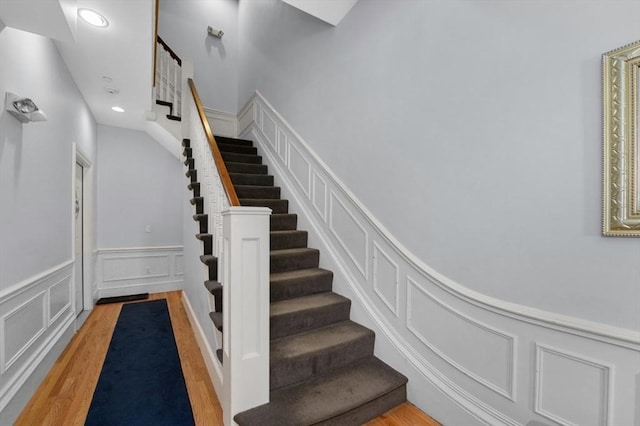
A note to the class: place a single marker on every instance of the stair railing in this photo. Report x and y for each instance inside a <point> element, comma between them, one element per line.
<point>241,243</point>
<point>168,78</point>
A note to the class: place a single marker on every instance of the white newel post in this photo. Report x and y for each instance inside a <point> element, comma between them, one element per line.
<point>245,274</point>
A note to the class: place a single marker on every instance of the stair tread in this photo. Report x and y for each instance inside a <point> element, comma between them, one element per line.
<point>306,303</point>
<point>318,339</point>
<point>212,286</point>
<point>297,274</point>
<point>327,396</point>
<point>216,317</point>
<point>204,236</point>
<point>284,252</point>
<point>208,259</point>
<point>235,141</point>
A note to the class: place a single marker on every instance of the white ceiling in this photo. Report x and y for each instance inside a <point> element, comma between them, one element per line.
<point>122,51</point>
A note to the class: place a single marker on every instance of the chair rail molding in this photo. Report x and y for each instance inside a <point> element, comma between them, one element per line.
<point>469,357</point>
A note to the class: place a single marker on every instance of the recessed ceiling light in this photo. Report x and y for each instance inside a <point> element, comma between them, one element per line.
<point>117,109</point>
<point>92,17</point>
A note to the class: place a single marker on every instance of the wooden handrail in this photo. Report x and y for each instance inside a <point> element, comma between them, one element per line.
<point>168,49</point>
<point>155,51</point>
<point>217,156</point>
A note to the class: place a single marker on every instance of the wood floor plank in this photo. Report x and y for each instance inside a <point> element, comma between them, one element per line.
<point>64,396</point>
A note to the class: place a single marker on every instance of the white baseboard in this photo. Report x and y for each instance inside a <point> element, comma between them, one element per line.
<point>213,365</point>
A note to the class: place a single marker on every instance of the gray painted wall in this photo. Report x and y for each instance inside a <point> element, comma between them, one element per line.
<point>35,158</point>
<point>183,25</point>
<point>139,184</point>
<point>471,130</point>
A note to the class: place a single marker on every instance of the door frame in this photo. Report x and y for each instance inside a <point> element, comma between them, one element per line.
<point>79,157</point>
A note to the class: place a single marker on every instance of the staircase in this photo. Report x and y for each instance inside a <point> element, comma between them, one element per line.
<point>322,368</point>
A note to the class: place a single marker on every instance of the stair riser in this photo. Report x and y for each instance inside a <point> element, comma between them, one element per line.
<point>203,226</point>
<point>277,206</point>
<point>283,222</point>
<point>233,141</point>
<point>190,163</point>
<point>237,149</point>
<point>207,244</point>
<point>370,410</point>
<point>298,322</point>
<point>252,169</point>
<point>188,152</point>
<point>269,192</point>
<point>292,262</point>
<point>186,143</point>
<point>292,370</point>
<point>199,204</point>
<point>280,241</point>
<point>241,158</point>
<point>290,289</point>
<point>244,179</point>
<point>193,175</point>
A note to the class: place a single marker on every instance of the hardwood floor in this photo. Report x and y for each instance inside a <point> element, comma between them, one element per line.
<point>65,395</point>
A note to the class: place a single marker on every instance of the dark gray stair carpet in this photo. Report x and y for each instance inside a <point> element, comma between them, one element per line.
<point>257,191</point>
<point>305,313</point>
<point>241,158</point>
<point>254,169</point>
<point>332,399</point>
<point>288,239</point>
<point>278,206</point>
<point>292,259</point>
<point>301,356</point>
<point>249,179</point>
<point>298,283</point>
<point>238,149</point>
<point>282,222</point>
<point>233,141</point>
<point>322,369</point>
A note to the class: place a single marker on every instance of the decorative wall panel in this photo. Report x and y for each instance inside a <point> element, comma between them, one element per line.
<point>571,390</point>
<point>349,233</point>
<point>386,278</point>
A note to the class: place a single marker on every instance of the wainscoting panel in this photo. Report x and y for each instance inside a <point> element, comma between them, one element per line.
<point>349,232</point>
<point>477,350</point>
<point>471,359</point>
<point>571,390</point>
<point>123,271</point>
<point>386,279</point>
<point>33,316</point>
<point>222,123</point>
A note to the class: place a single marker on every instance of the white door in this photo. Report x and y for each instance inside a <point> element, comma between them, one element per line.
<point>79,249</point>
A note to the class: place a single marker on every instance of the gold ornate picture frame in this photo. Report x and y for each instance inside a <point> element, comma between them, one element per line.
<point>621,207</point>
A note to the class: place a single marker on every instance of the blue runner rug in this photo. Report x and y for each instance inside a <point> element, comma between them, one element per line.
<point>141,382</point>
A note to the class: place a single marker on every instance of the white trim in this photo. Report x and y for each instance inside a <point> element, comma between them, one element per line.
<point>598,331</point>
<point>24,285</point>
<point>396,344</point>
<point>222,123</point>
<point>211,361</point>
<point>16,371</point>
<point>138,249</point>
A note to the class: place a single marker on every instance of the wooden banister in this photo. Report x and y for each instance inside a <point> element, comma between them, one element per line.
<point>155,51</point>
<point>168,49</point>
<point>217,156</point>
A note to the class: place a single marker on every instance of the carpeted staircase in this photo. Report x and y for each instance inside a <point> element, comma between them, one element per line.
<point>322,368</point>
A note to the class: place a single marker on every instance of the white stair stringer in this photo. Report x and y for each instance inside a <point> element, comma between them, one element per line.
<point>164,137</point>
